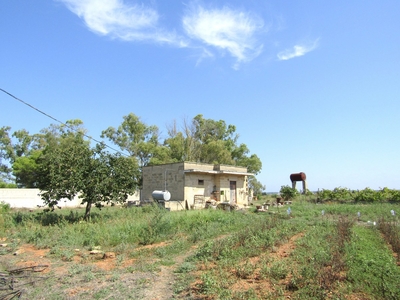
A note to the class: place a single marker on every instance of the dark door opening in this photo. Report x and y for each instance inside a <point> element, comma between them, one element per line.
<point>233,192</point>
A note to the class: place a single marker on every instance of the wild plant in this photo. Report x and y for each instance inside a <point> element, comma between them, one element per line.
<point>391,232</point>
<point>369,260</point>
<point>154,226</point>
<point>278,270</point>
<point>245,270</point>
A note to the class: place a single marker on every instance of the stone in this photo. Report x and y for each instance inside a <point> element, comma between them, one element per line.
<point>109,255</point>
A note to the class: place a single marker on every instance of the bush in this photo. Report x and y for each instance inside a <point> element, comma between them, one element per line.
<point>288,193</point>
<point>367,195</point>
<point>4,207</point>
<point>4,185</point>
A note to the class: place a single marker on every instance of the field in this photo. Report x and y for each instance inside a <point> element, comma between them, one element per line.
<point>327,250</point>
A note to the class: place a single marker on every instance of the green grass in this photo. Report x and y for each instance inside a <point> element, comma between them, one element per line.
<point>337,255</point>
<point>372,267</point>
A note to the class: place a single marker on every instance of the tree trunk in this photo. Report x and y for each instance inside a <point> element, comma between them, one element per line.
<point>87,212</point>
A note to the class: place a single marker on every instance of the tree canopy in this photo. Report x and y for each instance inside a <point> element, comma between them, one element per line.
<point>209,141</point>
<point>134,137</point>
<point>69,166</point>
<point>17,154</point>
<point>197,140</point>
<point>60,161</point>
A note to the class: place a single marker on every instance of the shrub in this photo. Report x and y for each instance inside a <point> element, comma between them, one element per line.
<point>5,185</point>
<point>367,195</point>
<point>288,193</point>
<point>4,207</point>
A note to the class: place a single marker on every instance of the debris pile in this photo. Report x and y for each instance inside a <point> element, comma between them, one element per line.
<point>11,282</point>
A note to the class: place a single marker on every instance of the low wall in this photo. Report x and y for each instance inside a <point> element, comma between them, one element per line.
<point>30,198</point>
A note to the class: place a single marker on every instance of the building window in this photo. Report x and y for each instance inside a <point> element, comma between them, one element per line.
<point>200,182</point>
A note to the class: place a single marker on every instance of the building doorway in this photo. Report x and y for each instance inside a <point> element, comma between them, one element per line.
<point>233,192</point>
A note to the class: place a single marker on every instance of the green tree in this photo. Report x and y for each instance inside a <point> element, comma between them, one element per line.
<point>216,140</point>
<point>6,154</point>
<point>209,141</point>
<point>218,144</point>
<point>69,166</point>
<point>109,178</point>
<point>6,185</point>
<point>207,130</point>
<point>25,169</point>
<point>17,147</point>
<point>138,139</point>
<point>216,152</point>
<point>20,151</point>
<point>182,144</point>
<point>24,144</point>
<point>256,186</point>
<point>198,140</point>
<point>61,168</point>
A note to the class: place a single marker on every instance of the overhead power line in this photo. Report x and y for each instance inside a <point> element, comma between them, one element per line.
<point>70,127</point>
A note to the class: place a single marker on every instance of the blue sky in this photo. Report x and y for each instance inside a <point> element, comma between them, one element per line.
<point>311,85</point>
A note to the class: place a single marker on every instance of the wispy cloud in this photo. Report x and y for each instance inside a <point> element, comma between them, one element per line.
<point>205,29</point>
<point>118,20</point>
<point>297,50</point>
<point>226,29</point>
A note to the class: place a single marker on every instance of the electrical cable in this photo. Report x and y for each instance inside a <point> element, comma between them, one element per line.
<point>47,115</point>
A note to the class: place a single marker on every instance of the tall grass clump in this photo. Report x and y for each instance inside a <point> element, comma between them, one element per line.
<point>391,231</point>
<point>5,217</point>
<point>155,227</point>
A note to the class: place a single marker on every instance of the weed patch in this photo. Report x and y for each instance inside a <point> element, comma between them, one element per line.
<point>370,261</point>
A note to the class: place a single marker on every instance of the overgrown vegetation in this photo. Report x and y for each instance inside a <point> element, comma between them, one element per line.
<point>288,193</point>
<point>366,195</point>
<point>6,185</point>
<point>318,251</point>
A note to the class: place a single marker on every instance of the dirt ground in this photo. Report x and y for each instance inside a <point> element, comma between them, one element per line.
<point>114,276</point>
<point>153,285</point>
<point>146,285</point>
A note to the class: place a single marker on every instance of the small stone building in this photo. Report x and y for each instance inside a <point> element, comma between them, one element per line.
<point>194,185</point>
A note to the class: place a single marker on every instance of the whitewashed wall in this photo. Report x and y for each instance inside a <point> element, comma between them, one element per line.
<point>30,198</point>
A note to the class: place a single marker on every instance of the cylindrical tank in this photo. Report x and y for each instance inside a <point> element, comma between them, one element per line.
<point>298,177</point>
<point>161,195</point>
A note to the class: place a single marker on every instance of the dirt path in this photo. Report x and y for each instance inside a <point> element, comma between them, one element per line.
<point>161,287</point>
<point>162,284</point>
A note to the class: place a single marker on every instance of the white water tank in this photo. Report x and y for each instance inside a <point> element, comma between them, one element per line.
<point>161,195</point>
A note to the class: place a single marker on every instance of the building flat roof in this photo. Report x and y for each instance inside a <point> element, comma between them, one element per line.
<point>217,172</point>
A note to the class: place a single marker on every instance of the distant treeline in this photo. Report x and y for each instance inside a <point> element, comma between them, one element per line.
<point>365,195</point>
<point>346,195</point>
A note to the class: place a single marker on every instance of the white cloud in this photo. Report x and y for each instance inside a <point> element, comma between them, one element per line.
<point>226,29</point>
<point>118,20</point>
<point>297,50</point>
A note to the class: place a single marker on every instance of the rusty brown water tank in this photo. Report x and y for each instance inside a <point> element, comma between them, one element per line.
<point>298,176</point>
